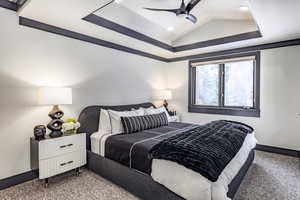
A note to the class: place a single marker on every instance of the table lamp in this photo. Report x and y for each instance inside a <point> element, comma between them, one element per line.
<point>163,95</point>
<point>55,97</point>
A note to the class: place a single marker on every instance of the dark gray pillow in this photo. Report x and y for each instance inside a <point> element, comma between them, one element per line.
<point>140,123</point>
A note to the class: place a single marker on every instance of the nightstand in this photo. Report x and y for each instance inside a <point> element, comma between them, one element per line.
<point>53,156</point>
<point>175,118</point>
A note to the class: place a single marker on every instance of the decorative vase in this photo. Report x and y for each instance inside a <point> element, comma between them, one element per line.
<point>39,132</point>
<point>70,126</point>
<point>70,132</point>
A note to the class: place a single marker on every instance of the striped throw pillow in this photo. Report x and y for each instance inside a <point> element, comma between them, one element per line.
<point>140,123</point>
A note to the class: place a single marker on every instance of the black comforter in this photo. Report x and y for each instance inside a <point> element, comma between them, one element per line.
<point>221,140</point>
<point>205,149</point>
<point>132,150</point>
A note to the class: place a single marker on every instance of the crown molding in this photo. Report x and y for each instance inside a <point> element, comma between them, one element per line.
<point>66,33</point>
<point>78,36</point>
<point>219,41</point>
<point>8,5</point>
<point>273,45</point>
<point>105,23</point>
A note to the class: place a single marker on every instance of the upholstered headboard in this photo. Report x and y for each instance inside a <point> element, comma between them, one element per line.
<point>89,118</point>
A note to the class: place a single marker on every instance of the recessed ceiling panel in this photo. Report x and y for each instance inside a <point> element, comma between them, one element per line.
<point>169,28</point>
<point>217,28</point>
<point>122,15</point>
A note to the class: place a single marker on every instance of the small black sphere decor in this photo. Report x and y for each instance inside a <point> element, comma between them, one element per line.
<point>56,123</point>
<point>39,132</point>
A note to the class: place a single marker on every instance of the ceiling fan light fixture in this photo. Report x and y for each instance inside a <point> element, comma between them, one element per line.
<point>184,10</point>
<point>170,28</point>
<point>244,8</point>
<point>191,18</point>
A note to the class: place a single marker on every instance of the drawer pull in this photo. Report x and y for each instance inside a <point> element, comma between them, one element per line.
<point>63,164</point>
<point>64,146</point>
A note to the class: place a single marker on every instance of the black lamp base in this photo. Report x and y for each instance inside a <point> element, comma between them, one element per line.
<point>55,126</point>
<point>165,104</point>
<point>55,134</point>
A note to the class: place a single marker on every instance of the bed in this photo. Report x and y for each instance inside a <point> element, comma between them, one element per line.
<point>136,178</point>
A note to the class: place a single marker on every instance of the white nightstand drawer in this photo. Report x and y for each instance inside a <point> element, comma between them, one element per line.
<point>60,164</point>
<point>59,146</point>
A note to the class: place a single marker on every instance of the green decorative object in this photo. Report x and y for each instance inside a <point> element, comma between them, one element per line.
<point>70,126</point>
<point>71,120</point>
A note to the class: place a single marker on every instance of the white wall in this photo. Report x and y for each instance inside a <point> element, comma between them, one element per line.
<point>31,58</point>
<point>279,124</point>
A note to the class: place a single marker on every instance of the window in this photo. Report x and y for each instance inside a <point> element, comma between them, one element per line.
<point>225,85</point>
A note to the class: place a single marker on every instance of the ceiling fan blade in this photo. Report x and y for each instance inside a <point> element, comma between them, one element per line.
<point>103,6</point>
<point>163,10</point>
<point>182,6</point>
<point>191,5</point>
<point>191,18</point>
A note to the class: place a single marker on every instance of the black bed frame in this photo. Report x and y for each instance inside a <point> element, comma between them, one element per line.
<point>135,182</point>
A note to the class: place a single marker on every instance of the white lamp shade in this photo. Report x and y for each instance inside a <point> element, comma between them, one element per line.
<point>55,96</point>
<point>162,95</point>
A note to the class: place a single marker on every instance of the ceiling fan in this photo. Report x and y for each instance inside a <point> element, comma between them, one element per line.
<point>183,10</point>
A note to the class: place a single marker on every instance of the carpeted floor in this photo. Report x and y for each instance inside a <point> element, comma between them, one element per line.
<point>271,177</point>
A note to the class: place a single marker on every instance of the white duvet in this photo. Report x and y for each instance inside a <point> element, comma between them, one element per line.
<point>193,186</point>
<point>185,182</point>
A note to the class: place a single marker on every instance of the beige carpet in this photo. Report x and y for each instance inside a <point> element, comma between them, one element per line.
<point>271,177</point>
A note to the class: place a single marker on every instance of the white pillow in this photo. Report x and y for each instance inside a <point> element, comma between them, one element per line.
<point>115,119</point>
<point>104,122</point>
<point>96,141</point>
<point>151,107</point>
<point>141,108</point>
<point>151,111</point>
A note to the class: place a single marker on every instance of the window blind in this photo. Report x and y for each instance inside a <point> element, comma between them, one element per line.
<point>223,61</point>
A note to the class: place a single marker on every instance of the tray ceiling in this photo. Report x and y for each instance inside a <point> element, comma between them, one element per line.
<point>167,27</point>
<point>277,21</point>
